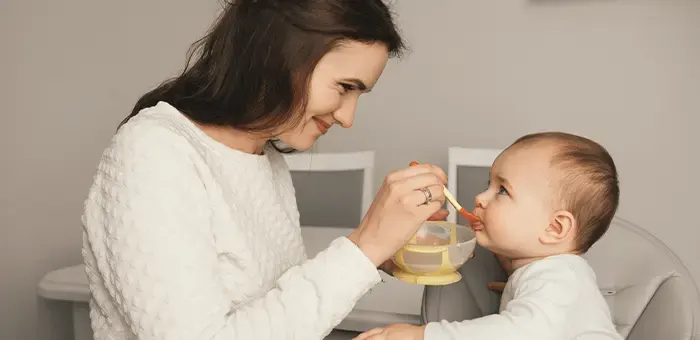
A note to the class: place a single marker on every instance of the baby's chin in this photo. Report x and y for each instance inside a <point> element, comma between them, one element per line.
<point>482,239</point>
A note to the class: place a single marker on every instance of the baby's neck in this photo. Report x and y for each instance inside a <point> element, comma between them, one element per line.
<point>515,264</point>
<point>524,261</point>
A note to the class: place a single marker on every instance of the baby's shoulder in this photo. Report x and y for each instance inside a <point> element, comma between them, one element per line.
<point>564,266</point>
<point>562,273</point>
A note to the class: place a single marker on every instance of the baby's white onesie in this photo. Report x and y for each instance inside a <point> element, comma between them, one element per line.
<point>554,298</point>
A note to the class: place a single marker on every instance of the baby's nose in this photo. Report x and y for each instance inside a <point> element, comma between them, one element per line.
<point>481,201</point>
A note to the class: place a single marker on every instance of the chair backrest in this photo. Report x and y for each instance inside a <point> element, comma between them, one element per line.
<point>629,262</point>
<point>338,161</point>
<point>465,157</point>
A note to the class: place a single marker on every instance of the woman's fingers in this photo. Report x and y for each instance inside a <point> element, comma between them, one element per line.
<point>423,196</point>
<point>419,181</point>
<point>423,212</point>
<point>415,171</point>
<point>440,215</point>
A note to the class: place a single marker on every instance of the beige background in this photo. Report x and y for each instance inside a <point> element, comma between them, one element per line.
<point>482,73</point>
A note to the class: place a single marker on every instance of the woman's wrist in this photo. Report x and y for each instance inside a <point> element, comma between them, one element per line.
<point>372,252</point>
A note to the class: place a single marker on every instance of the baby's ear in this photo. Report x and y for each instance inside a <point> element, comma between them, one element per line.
<point>561,227</point>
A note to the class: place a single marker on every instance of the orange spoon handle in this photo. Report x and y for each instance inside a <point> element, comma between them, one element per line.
<point>469,216</point>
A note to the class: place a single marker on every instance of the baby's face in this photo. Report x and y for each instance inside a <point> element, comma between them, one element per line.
<point>517,206</point>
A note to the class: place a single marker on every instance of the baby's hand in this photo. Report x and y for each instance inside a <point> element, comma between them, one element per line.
<point>399,331</point>
<point>507,266</point>
<point>505,263</point>
<point>388,267</point>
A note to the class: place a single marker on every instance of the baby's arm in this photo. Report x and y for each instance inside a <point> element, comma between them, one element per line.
<point>545,292</point>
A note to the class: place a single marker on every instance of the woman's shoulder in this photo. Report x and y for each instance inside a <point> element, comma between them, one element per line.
<point>161,136</point>
<point>160,131</point>
<point>148,143</point>
<point>161,118</point>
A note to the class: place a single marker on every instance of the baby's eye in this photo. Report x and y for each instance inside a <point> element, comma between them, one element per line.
<point>502,191</point>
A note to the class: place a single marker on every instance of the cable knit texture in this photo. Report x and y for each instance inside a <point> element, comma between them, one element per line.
<point>185,238</point>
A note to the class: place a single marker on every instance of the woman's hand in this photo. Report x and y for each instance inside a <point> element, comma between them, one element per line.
<point>399,331</point>
<point>440,215</point>
<point>399,209</point>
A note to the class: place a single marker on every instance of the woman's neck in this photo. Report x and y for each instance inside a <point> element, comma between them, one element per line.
<point>235,139</point>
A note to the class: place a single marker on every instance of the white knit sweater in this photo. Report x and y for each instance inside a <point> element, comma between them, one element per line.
<point>185,238</point>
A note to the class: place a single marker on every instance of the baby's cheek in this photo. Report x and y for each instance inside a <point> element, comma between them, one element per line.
<point>497,221</point>
<point>504,230</point>
<point>492,243</point>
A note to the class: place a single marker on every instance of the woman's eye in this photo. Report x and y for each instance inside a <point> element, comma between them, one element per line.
<point>502,191</point>
<point>347,87</point>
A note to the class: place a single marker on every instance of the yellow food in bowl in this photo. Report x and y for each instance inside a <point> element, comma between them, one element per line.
<point>435,253</point>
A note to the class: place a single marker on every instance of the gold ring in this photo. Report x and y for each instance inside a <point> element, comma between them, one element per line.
<point>428,195</point>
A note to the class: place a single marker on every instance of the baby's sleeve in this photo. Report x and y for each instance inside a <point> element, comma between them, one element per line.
<point>147,225</point>
<point>544,294</point>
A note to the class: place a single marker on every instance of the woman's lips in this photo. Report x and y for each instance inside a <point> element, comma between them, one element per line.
<point>322,126</point>
<point>476,226</point>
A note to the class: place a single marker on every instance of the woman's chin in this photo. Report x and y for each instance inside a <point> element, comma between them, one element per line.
<point>300,143</point>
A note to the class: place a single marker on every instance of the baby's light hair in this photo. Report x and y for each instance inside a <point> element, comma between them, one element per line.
<point>587,187</point>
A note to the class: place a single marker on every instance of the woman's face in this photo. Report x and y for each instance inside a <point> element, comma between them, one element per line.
<point>338,80</point>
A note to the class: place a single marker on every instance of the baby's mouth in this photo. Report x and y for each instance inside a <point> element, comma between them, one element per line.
<point>476,226</point>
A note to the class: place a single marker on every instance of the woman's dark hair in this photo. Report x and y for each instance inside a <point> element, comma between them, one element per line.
<point>251,71</point>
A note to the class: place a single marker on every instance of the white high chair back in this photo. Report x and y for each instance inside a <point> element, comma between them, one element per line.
<point>338,161</point>
<point>458,157</point>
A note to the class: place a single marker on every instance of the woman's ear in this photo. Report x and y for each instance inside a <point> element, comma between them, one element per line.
<point>561,227</point>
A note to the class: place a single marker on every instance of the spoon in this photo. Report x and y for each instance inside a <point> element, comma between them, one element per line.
<point>469,216</point>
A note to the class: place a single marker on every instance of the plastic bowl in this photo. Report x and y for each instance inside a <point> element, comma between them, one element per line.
<point>435,253</point>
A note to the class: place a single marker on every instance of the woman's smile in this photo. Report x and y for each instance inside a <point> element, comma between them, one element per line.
<point>322,125</point>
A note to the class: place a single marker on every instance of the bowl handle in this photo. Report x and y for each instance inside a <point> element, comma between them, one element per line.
<point>445,263</point>
<point>453,233</point>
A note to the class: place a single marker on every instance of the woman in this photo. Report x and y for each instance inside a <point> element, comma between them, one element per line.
<point>191,226</point>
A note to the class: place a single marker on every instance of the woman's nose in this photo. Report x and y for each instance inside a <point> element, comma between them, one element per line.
<point>346,113</point>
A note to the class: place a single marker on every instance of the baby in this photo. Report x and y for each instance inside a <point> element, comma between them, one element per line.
<point>550,197</point>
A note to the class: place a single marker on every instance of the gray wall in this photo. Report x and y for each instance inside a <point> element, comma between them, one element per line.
<point>482,73</point>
